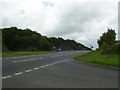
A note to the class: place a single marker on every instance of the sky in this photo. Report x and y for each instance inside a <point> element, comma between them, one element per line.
<point>81,20</point>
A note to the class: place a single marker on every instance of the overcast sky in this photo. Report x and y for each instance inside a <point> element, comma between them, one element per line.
<point>81,20</point>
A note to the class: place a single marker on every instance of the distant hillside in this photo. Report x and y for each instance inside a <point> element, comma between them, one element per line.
<point>15,39</point>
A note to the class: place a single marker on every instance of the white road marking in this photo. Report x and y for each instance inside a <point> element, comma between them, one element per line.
<point>6,58</point>
<point>36,68</point>
<point>47,65</point>
<point>59,61</point>
<point>21,56</point>
<point>52,64</point>
<point>18,73</point>
<point>67,59</point>
<point>42,66</point>
<point>15,61</point>
<point>55,62</point>
<point>33,59</point>
<point>20,61</point>
<point>6,77</point>
<point>63,60</point>
<point>28,70</point>
<point>56,56</point>
<point>25,60</point>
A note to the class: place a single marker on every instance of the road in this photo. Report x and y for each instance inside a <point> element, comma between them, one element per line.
<point>55,70</point>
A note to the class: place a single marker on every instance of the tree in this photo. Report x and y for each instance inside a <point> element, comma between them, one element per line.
<point>107,40</point>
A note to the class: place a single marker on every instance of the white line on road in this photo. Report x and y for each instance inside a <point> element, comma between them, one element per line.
<point>34,59</point>
<point>28,70</point>
<point>42,66</point>
<point>36,68</point>
<point>21,56</point>
<point>47,65</point>
<point>15,61</point>
<point>56,56</point>
<point>55,62</point>
<point>59,61</point>
<point>18,73</point>
<point>52,64</point>
<point>6,77</point>
<point>26,60</point>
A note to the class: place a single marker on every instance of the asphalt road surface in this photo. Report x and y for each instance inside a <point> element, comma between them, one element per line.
<point>55,70</point>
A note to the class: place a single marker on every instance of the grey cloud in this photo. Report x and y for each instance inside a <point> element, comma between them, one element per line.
<point>75,18</point>
<point>5,22</point>
<point>22,12</point>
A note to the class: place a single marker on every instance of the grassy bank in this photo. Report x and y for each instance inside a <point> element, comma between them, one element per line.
<point>5,54</point>
<point>97,58</point>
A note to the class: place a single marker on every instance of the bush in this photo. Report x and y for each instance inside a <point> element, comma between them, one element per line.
<point>115,49</point>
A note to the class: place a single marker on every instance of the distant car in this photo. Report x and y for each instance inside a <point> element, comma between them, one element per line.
<point>58,49</point>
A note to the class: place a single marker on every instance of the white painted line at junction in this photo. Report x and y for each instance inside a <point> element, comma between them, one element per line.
<point>25,60</point>
<point>52,64</point>
<point>42,66</point>
<point>15,61</point>
<point>6,77</point>
<point>28,70</point>
<point>47,65</point>
<point>20,56</point>
<point>36,68</point>
<point>18,73</point>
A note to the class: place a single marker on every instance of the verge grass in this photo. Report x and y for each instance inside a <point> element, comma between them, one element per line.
<point>6,54</point>
<point>97,58</point>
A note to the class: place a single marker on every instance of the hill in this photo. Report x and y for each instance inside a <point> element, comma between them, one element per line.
<point>15,39</point>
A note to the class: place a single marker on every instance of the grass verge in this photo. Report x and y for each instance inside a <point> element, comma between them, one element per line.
<point>97,58</point>
<point>5,54</point>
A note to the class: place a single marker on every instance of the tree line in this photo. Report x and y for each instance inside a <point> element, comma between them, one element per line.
<point>14,39</point>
